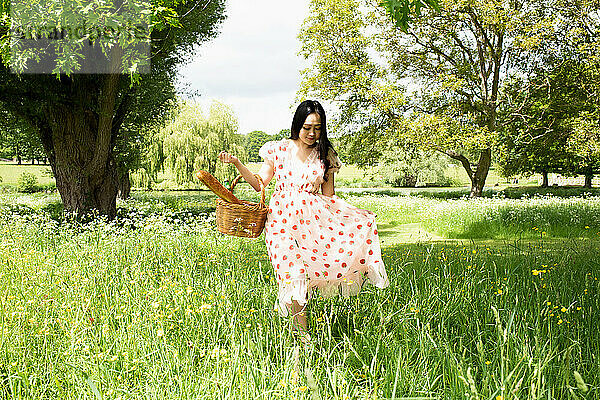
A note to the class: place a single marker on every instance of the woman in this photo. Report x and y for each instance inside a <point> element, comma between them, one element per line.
<point>313,240</point>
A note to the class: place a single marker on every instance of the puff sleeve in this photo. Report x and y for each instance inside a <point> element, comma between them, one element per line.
<point>334,162</point>
<point>267,151</point>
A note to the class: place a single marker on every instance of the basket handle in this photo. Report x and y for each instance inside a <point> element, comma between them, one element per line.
<point>260,182</point>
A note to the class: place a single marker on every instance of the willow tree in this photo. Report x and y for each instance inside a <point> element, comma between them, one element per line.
<point>192,140</point>
<point>86,117</point>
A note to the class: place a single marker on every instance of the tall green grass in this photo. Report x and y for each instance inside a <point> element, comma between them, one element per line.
<point>158,305</point>
<point>491,218</point>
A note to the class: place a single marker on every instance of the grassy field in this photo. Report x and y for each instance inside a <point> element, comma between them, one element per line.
<point>10,172</point>
<point>157,305</point>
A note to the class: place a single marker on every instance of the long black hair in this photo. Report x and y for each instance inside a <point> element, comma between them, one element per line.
<point>323,145</point>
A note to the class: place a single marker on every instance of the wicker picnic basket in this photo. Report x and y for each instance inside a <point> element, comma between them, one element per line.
<point>246,219</point>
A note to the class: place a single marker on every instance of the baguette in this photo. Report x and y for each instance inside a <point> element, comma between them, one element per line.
<point>218,189</point>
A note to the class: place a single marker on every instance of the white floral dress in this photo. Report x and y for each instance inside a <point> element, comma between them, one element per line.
<point>315,241</point>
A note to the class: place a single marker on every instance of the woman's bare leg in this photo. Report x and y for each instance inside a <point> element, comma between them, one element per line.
<point>300,320</point>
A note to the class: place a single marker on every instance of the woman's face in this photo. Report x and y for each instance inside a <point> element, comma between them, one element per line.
<point>311,130</point>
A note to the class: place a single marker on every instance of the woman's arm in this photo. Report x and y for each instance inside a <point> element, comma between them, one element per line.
<point>266,171</point>
<point>328,187</point>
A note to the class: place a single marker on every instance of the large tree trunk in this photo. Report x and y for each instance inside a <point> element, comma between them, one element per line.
<point>77,141</point>
<point>588,179</point>
<point>480,175</point>
<point>545,179</point>
<point>70,142</point>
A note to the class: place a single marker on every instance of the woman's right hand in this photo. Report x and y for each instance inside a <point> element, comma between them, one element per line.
<point>227,158</point>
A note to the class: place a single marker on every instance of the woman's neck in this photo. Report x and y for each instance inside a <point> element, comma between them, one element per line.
<point>303,146</point>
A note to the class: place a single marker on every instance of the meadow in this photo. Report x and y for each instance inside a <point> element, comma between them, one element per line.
<point>157,305</point>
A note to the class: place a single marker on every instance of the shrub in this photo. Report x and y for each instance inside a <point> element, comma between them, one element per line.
<point>27,183</point>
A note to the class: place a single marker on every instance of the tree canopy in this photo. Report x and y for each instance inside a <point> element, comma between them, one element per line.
<point>444,74</point>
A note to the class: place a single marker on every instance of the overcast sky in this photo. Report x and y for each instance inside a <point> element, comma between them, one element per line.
<point>252,65</point>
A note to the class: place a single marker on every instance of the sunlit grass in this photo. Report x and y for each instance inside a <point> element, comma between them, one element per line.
<point>10,172</point>
<point>158,305</point>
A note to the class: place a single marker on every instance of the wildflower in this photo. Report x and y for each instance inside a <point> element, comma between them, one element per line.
<point>189,290</point>
<point>205,307</point>
<point>563,309</point>
<point>160,333</point>
<point>488,362</point>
